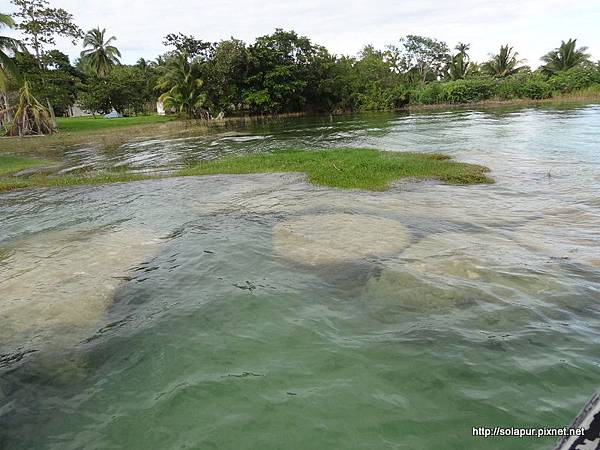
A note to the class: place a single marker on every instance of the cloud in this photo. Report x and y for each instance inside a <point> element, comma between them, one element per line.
<point>533,27</point>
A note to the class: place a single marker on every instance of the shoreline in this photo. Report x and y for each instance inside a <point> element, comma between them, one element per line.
<point>114,136</point>
<point>499,103</point>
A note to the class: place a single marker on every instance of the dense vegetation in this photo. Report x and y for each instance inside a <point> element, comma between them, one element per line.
<point>278,73</point>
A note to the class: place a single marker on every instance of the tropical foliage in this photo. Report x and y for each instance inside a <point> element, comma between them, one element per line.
<point>8,67</point>
<point>101,55</point>
<point>30,116</point>
<point>7,46</point>
<point>181,85</point>
<point>281,72</point>
<point>564,57</point>
<point>503,64</point>
<point>459,64</point>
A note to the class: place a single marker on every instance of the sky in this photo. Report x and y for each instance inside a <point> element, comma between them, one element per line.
<point>532,27</point>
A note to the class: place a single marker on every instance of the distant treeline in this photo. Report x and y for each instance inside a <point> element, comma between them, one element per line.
<point>283,73</point>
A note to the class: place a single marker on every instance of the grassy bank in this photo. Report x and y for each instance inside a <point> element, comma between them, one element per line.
<point>82,124</point>
<point>367,169</point>
<point>12,164</point>
<point>108,134</point>
<point>575,98</point>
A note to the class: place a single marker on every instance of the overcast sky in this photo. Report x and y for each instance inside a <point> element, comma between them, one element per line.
<point>533,27</point>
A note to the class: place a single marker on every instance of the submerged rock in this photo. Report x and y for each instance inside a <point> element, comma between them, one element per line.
<point>395,293</point>
<point>56,286</point>
<point>494,264</point>
<point>336,238</point>
<point>571,235</point>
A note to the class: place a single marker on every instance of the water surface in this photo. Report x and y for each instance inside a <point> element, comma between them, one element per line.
<point>233,312</point>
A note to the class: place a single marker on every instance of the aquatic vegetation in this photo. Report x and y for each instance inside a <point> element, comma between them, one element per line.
<point>358,168</point>
<point>333,238</point>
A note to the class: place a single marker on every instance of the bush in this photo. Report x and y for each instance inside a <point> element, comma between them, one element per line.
<point>536,89</point>
<point>574,79</point>
<point>464,91</point>
<point>427,93</point>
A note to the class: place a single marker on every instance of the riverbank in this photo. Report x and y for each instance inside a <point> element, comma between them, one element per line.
<point>574,99</point>
<point>357,168</point>
<point>109,134</point>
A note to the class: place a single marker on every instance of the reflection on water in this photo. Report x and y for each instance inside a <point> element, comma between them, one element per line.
<point>250,311</point>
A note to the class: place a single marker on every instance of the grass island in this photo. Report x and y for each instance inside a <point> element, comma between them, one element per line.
<point>346,168</point>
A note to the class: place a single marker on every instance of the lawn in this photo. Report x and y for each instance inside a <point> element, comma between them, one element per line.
<point>78,124</point>
<point>11,164</point>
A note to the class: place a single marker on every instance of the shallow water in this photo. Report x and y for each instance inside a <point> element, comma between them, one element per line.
<point>479,305</point>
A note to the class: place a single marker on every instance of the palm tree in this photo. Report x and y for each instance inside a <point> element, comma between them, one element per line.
<point>101,55</point>
<point>459,64</point>
<point>181,86</point>
<point>7,65</point>
<point>564,57</point>
<point>504,63</point>
<point>31,117</point>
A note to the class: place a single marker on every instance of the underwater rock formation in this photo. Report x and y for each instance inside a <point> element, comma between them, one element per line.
<point>334,238</point>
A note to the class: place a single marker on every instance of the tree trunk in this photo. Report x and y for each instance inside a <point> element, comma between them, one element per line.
<point>36,46</point>
<point>7,115</point>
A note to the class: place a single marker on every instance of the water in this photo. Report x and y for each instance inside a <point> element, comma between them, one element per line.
<point>258,311</point>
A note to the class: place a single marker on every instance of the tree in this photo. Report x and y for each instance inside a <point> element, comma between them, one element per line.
<point>225,74</point>
<point>56,81</point>
<point>41,24</point>
<point>564,57</point>
<point>424,56</point>
<point>7,45</point>
<point>459,64</point>
<point>181,86</point>
<point>278,70</point>
<point>8,68</point>
<point>503,64</point>
<point>30,117</point>
<point>101,56</point>
<point>194,48</point>
<point>125,89</point>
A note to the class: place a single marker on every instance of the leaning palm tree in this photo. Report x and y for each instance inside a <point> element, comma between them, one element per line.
<point>181,86</point>
<point>8,68</point>
<point>504,63</point>
<point>31,117</point>
<point>101,55</point>
<point>564,57</point>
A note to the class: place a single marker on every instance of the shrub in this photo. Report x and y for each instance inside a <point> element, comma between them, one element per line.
<point>574,79</point>
<point>464,91</point>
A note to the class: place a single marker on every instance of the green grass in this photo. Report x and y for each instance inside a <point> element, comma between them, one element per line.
<point>7,184</point>
<point>12,164</point>
<point>368,169</point>
<point>357,168</point>
<point>79,124</point>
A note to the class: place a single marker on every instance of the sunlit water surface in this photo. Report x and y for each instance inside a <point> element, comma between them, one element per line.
<point>259,311</point>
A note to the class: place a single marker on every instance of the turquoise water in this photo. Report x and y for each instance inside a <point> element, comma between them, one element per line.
<point>262,312</point>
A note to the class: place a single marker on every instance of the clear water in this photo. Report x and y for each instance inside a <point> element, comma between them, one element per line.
<point>171,313</point>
